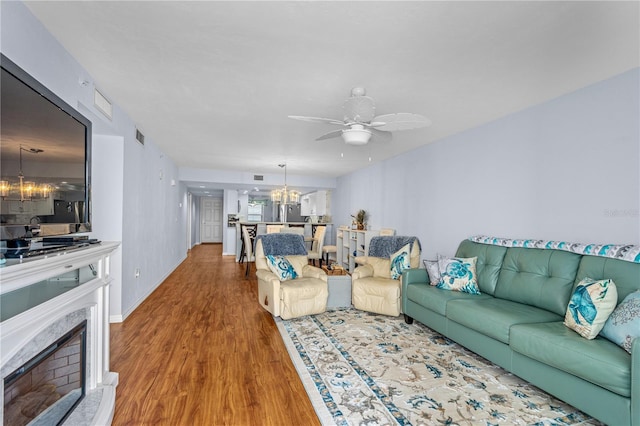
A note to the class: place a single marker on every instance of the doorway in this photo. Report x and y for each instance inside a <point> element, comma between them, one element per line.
<point>211,220</point>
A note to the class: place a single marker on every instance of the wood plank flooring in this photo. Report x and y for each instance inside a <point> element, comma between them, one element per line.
<point>201,351</point>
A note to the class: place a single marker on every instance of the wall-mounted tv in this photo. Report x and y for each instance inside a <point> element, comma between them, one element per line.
<point>45,161</point>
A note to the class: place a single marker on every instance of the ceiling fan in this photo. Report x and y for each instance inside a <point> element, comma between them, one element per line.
<point>360,122</point>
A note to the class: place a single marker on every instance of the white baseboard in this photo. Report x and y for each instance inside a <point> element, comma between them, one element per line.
<point>151,290</point>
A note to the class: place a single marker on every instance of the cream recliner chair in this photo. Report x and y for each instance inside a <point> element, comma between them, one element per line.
<point>372,287</point>
<point>306,294</point>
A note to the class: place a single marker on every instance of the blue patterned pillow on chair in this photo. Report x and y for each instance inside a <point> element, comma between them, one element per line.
<point>400,261</point>
<point>280,266</point>
<point>458,274</point>
<point>623,324</point>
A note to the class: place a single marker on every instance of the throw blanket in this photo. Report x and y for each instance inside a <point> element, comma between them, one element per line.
<point>281,244</point>
<point>385,246</point>
<point>630,253</point>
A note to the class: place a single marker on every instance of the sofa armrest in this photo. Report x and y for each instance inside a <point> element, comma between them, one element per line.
<point>410,277</point>
<point>362,271</point>
<point>314,272</point>
<point>635,382</point>
<point>415,275</point>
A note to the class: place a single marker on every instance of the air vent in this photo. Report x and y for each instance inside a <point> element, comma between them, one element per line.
<point>258,177</point>
<point>102,104</point>
<point>139,136</point>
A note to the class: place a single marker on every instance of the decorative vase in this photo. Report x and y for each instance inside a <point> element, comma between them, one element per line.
<point>360,226</point>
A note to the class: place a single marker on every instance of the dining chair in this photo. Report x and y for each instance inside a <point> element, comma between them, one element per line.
<point>317,244</point>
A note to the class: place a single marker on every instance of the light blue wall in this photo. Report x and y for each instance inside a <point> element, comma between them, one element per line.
<point>148,219</point>
<point>567,169</point>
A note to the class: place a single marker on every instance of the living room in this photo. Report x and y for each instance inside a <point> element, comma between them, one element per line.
<point>566,168</point>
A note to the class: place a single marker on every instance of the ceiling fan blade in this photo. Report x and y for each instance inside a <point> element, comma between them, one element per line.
<point>333,134</point>
<point>401,121</point>
<point>317,120</point>
<point>359,109</point>
<point>381,136</point>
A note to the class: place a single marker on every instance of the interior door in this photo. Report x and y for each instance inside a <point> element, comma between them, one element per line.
<point>211,216</point>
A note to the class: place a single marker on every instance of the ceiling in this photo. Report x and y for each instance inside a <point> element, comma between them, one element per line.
<point>212,82</point>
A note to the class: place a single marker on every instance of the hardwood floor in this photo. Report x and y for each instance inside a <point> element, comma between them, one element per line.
<point>201,351</point>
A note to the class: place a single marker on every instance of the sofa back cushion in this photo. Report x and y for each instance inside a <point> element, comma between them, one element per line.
<point>538,277</point>
<point>625,274</point>
<point>490,259</point>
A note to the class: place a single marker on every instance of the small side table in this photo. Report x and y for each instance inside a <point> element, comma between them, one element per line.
<point>339,291</point>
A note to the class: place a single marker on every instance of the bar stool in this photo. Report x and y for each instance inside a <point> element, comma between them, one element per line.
<point>253,230</point>
<point>326,250</point>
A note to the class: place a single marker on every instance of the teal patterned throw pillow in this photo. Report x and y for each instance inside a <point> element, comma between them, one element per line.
<point>280,266</point>
<point>590,305</point>
<point>400,261</point>
<point>623,324</point>
<point>458,274</point>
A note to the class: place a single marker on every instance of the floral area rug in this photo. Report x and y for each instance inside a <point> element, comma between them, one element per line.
<point>361,368</point>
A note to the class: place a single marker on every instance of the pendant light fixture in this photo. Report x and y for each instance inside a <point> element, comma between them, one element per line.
<point>285,195</point>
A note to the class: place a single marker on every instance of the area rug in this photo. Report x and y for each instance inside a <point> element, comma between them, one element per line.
<point>361,368</point>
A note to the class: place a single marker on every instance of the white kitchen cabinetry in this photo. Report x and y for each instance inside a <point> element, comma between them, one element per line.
<point>314,203</point>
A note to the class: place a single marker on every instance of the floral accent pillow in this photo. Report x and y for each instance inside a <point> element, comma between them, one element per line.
<point>432,270</point>
<point>280,266</point>
<point>400,261</point>
<point>623,324</point>
<point>590,305</point>
<point>458,274</point>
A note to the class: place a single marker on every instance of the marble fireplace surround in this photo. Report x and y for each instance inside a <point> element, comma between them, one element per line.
<point>27,334</point>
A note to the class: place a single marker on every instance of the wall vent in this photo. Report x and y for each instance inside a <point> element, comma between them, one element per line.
<point>139,136</point>
<point>258,177</point>
<point>102,104</point>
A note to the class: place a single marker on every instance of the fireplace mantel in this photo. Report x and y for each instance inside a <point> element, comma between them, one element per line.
<point>27,333</point>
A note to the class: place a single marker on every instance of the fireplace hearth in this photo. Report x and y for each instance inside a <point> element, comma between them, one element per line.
<point>46,388</point>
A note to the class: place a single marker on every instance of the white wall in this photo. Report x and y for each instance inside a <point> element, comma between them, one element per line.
<point>134,181</point>
<point>567,169</point>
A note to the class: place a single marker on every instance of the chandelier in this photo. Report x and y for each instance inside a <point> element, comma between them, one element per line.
<point>285,195</point>
<point>24,190</point>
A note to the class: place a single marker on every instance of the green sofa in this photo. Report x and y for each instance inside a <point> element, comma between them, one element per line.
<point>517,323</point>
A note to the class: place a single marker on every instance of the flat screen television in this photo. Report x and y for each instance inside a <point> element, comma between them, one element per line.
<point>45,162</point>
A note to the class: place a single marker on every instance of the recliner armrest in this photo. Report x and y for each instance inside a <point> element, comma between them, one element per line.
<point>266,275</point>
<point>309,271</point>
<point>362,271</point>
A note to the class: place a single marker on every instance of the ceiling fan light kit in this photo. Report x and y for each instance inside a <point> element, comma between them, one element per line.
<point>356,135</point>
<point>359,115</point>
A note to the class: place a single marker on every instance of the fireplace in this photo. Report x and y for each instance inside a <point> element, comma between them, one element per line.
<point>46,388</point>
<point>72,324</point>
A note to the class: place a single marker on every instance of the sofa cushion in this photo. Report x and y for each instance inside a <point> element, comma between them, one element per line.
<point>623,325</point>
<point>625,274</point>
<point>598,361</point>
<point>436,299</point>
<point>538,277</point>
<point>590,305</point>
<point>489,262</point>
<point>458,274</point>
<point>494,317</point>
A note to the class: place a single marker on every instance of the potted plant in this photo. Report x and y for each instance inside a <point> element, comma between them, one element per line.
<point>359,219</point>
